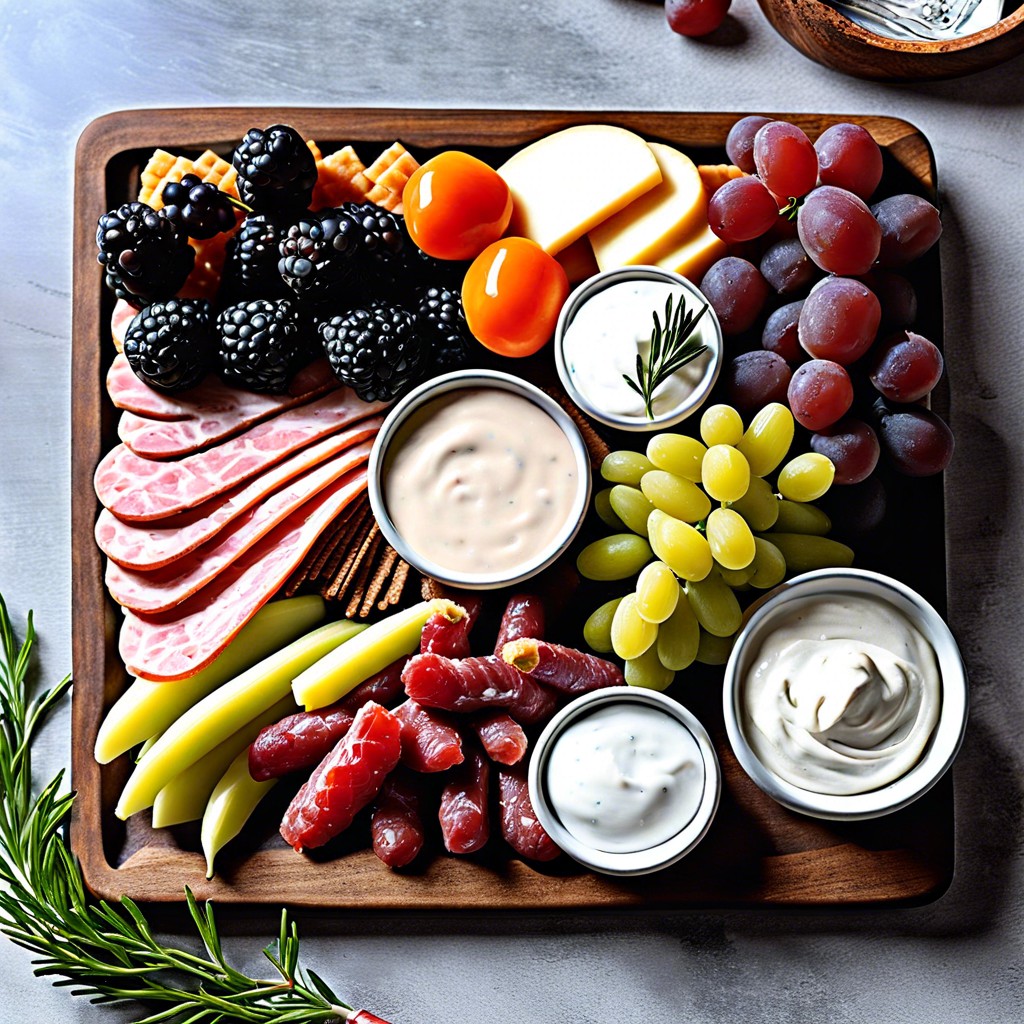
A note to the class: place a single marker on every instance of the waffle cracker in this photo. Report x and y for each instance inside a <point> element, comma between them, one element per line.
<point>162,167</point>
<point>714,176</point>
<point>341,178</point>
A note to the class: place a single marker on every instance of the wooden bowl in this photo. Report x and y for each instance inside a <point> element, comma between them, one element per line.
<point>827,37</point>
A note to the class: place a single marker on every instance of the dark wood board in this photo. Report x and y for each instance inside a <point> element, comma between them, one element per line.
<point>756,853</point>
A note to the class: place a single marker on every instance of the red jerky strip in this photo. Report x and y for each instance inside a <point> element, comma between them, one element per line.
<point>347,779</point>
<point>476,684</point>
<point>564,668</point>
<point>465,827</point>
<point>524,616</point>
<point>429,743</point>
<point>502,737</point>
<point>397,825</point>
<point>442,636</point>
<point>384,688</point>
<point>519,825</point>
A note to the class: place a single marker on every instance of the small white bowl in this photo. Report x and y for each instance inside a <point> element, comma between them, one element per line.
<point>946,737</point>
<point>425,394</point>
<point>709,328</point>
<point>637,862</point>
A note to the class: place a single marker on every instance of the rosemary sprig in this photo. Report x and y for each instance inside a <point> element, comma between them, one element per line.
<point>107,950</point>
<point>672,347</point>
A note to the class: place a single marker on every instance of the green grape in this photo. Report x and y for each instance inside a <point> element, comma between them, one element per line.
<point>798,517</point>
<point>807,477</point>
<point>678,636</point>
<point>647,671</point>
<point>675,495</point>
<point>714,604</point>
<point>732,543</point>
<point>769,565</point>
<point>630,634</point>
<point>721,424</point>
<point>657,592</point>
<point>768,438</point>
<point>714,650</point>
<point>758,506</point>
<point>685,551</point>
<point>615,557</point>
<point>597,630</point>
<point>677,453</point>
<point>804,552</point>
<point>604,510</point>
<point>625,467</point>
<point>725,473</point>
<point>631,507</point>
<point>737,579</point>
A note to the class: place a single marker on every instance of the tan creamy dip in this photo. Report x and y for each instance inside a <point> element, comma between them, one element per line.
<point>842,696</point>
<point>481,481</point>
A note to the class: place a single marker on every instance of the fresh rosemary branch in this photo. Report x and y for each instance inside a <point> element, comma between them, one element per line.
<point>672,347</point>
<point>108,950</point>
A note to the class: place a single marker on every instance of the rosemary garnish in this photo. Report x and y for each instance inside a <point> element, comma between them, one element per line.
<point>672,347</point>
<point>108,950</point>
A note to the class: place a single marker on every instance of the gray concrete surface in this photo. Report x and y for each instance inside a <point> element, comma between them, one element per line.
<point>959,959</point>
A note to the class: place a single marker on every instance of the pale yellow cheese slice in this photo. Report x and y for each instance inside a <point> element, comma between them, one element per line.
<point>567,182</point>
<point>660,220</point>
<point>693,258</point>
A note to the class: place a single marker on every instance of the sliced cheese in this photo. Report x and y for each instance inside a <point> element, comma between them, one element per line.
<point>694,257</point>
<point>568,182</point>
<point>578,261</point>
<point>660,220</point>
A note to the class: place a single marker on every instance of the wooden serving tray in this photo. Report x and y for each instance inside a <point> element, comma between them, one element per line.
<point>756,853</point>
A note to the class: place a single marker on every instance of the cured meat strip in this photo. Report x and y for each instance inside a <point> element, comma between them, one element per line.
<point>179,643</point>
<point>143,489</point>
<point>166,439</point>
<point>465,826</point>
<point>347,779</point>
<point>429,743</point>
<point>564,668</point>
<point>524,616</point>
<point>502,737</point>
<point>153,544</point>
<point>519,825</point>
<point>475,684</point>
<point>397,824</point>
<point>162,589</point>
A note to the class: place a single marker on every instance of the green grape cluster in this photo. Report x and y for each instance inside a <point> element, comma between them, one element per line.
<point>697,521</point>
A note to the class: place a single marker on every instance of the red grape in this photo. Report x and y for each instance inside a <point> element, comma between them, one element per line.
<point>839,320</point>
<point>739,144</point>
<point>916,440</point>
<point>695,17</point>
<point>742,209</point>
<point>897,296</point>
<point>736,291</point>
<point>850,158</point>
<point>852,446</point>
<point>819,394</point>
<point>780,332</point>
<point>838,231</point>
<point>910,226</point>
<point>907,367</point>
<point>785,159</point>
<point>786,267</point>
<point>755,379</point>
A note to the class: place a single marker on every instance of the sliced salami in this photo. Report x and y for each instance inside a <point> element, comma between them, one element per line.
<point>143,489</point>
<point>162,589</point>
<point>150,545</point>
<point>177,644</point>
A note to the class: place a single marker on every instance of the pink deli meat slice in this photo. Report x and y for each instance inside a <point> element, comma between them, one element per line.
<point>162,589</point>
<point>150,545</point>
<point>211,397</point>
<point>142,489</point>
<point>177,644</point>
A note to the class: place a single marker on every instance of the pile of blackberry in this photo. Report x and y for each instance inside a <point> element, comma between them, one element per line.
<point>346,282</point>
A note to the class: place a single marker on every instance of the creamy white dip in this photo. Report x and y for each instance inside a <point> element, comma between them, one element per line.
<point>843,695</point>
<point>625,778</point>
<point>480,480</point>
<point>606,334</point>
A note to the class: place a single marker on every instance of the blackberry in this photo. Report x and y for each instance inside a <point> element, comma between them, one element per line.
<point>198,206</point>
<point>169,344</point>
<point>276,169</point>
<point>250,267</point>
<point>146,257</point>
<point>376,351</point>
<point>440,320</point>
<point>260,343</point>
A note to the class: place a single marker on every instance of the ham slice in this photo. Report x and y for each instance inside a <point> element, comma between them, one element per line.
<point>139,489</point>
<point>177,644</point>
<point>150,545</point>
<point>120,320</point>
<point>162,589</point>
